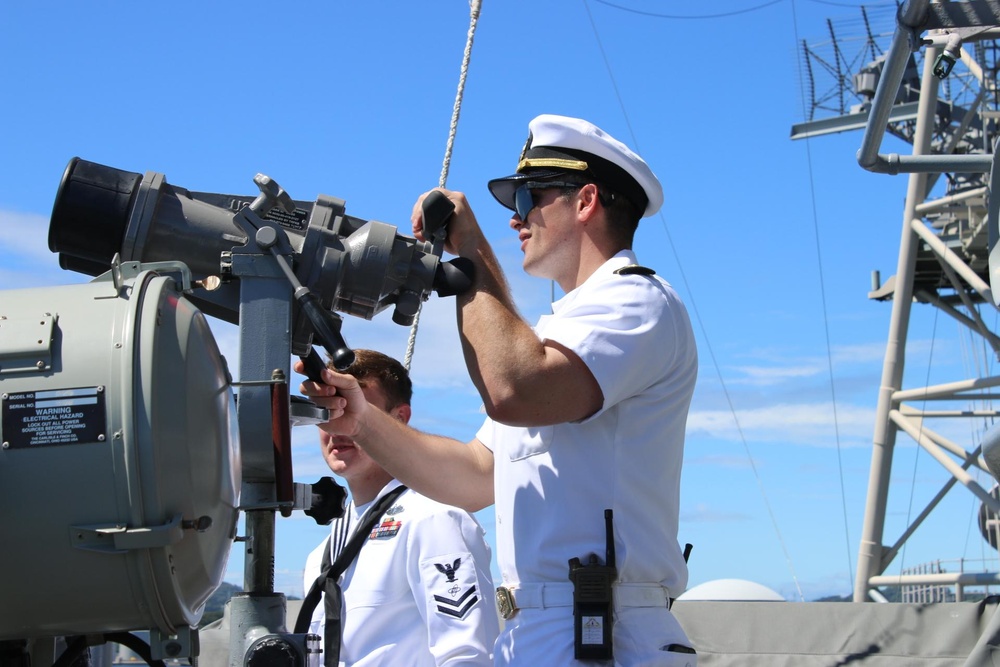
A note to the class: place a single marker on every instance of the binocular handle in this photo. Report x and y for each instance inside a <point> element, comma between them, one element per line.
<point>326,327</point>
<point>436,209</point>
<point>313,365</point>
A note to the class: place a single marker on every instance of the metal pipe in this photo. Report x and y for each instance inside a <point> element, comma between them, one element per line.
<point>911,18</point>
<point>944,578</point>
<point>958,472</point>
<point>946,390</point>
<point>942,203</point>
<point>889,553</point>
<point>969,458</point>
<point>258,567</point>
<point>870,556</point>
<point>944,414</point>
<point>941,38</point>
<point>888,85</point>
<point>893,163</point>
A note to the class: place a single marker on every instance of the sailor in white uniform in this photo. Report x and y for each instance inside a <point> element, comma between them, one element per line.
<point>583,447</point>
<point>553,483</point>
<point>420,590</point>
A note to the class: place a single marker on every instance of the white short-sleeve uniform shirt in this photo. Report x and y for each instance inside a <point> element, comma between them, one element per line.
<point>553,483</point>
<point>420,591</point>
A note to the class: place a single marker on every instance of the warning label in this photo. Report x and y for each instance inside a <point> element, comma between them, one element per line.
<point>55,417</point>
<point>297,219</point>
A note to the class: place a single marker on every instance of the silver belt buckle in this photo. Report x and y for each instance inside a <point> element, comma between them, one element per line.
<point>506,604</point>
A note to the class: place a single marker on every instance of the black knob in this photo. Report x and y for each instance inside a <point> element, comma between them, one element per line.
<point>329,500</point>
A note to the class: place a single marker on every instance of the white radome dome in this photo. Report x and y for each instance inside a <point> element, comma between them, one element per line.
<point>731,590</point>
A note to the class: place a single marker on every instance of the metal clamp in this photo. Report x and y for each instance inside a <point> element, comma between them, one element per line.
<point>117,538</point>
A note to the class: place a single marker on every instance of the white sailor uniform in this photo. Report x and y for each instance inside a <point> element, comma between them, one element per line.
<point>553,483</point>
<point>420,591</point>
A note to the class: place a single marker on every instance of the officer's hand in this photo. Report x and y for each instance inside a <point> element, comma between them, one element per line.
<point>341,395</point>
<point>464,233</point>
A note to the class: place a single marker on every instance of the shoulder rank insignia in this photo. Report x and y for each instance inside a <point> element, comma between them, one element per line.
<point>388,528</point>
<point>459,604</point>
<point>634,269</point>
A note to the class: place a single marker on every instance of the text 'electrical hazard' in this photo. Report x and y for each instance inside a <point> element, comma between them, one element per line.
<point>55,417</point>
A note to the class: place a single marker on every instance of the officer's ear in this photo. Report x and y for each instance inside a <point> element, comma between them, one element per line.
<point>401,412</point>
<point>587,201</point>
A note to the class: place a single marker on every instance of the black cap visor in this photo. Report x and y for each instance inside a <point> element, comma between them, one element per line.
<point>503,189</point>
<point>541,163</point>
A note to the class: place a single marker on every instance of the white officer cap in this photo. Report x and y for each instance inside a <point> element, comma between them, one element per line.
<point>560,146</point>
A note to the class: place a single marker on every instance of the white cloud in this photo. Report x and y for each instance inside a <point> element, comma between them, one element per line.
<point>810,424</point>
<point>702,513</point>
<point>26,235</point>
<point>771,375</point>
<point>718,461</point>
<point>27,261</point>
<point>779,366</point>
<point>861,353</point>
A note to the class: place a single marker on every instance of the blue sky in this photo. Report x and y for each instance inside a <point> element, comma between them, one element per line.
<point>770,242</point>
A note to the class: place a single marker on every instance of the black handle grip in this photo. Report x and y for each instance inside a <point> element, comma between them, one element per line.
<point>313,366</point>
<point>326,326</point>
<point>436,208</point>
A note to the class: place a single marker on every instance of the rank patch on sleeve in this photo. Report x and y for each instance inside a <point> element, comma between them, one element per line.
<point>388,528</point>
<point>448,570</point>
<point>458,607</point>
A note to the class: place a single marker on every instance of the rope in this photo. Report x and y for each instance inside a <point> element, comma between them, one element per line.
<point>474,7</point>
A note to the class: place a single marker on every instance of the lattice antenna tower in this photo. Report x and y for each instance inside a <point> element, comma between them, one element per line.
<point>944,253</point>
<point>832,64</point>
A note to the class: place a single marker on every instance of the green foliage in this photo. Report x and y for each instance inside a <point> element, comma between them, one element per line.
<point>217,603</point>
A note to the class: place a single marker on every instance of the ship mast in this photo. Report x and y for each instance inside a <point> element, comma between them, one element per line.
<point>949,116</point>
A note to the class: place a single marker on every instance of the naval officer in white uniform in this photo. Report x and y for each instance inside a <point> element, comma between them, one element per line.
<point>420,590</point>
<point>587,410</point>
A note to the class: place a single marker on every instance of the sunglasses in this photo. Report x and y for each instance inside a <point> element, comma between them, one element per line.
<point>524,201</point>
